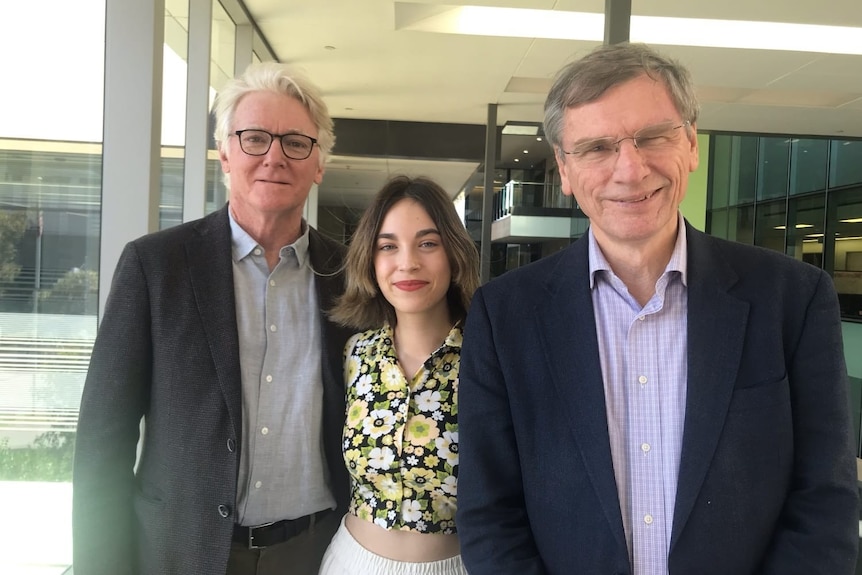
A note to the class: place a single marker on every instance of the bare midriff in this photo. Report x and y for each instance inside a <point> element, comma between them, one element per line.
<point>402,545</point>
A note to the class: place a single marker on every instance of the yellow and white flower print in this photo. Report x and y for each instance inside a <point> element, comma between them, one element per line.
<point>428,400</point>
<point>388,488</point>
<point>421,430</point>
<point>356,462</point>
<point>447,447</point>
<point>351,368</point>
<point>378,422</point>
<point>411,510</point>
<point>420,479</point>
<point>449,485</point>
<point>401,436</point>
<point>364,385</point>
<point>392,378</point>
<point>444,507</point>
<point>357,412</point>
<point>381,458</point>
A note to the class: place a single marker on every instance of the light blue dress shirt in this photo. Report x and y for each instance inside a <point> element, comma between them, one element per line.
<point>283,472</point>
<point>644,368</point>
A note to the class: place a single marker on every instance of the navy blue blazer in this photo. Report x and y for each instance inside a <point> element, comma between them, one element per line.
<point>767,481</point>
<point>168,350</point>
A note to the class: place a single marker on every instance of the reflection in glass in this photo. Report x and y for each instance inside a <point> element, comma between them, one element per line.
<point>770,225</point>
<point>740,223</point>
<point>50,225</point>
<point>222,58</point>
<point>174,92</point>
<point>805,232</point>
<point>716,223</point>
<point>845,216</point>
<point>845,164</point>
<point>772,173</point>
<point>50,218</point>
<point>734,168</point>
<point>808,159</point>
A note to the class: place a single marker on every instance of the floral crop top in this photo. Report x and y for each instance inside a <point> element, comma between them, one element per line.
<point>400,440</point>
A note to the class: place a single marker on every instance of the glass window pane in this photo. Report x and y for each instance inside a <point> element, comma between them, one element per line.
<point>721,170</point>
<point>772,176</point>
<point>740,224</point>
<point>771,225</point>
<point>222,60</point>
<point>50,210</point>
<point>734,170</point>
<point>174,92</point>
<point>716,223</point>
<point>845,163</point>
<point>805,220</point>
<point>846,221</point>
<point>223,47</point>
<point>808,165</point>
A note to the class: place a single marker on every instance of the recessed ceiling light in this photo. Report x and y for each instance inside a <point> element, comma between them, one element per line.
<point>589,26</point>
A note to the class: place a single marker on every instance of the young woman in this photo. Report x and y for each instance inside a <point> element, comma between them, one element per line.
<point>411,271</point>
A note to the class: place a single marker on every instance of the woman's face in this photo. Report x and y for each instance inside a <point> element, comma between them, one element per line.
<point>410,263</point>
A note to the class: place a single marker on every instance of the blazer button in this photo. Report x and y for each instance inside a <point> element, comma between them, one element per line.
<point>231,445</point>
<point>224,511</point>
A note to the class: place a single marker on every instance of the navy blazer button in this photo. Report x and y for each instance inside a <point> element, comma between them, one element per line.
<point>231,445</point>
<point>224,511</point>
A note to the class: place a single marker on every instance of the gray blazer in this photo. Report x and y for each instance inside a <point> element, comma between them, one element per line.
<point>767,481</point>
<point>167,350</point>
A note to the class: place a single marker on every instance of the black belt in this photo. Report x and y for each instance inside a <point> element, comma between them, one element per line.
<point>274,533</point>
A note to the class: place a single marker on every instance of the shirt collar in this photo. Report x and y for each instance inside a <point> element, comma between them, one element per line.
<point>242,244</point>
<point>678,258</point>
<point>453,340</point>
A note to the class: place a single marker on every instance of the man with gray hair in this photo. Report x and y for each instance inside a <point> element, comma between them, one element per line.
<point>215,336</point>
<point>651,400</point>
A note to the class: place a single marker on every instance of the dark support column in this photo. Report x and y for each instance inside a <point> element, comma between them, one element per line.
<point>488,194</point>
<point>618,15</point>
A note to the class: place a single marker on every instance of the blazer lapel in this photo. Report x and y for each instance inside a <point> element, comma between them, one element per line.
<point>567,329</point>
<point>210,262</point>
<point>716,332</point>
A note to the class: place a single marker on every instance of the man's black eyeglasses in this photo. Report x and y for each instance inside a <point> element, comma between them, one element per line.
<point>258,143</point>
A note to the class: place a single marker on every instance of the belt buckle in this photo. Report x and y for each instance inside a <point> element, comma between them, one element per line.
<point>251,544</point>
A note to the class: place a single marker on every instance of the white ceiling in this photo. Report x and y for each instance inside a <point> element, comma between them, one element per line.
<point>370,69</point>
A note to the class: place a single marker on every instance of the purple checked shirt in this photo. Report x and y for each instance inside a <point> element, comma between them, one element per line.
<point>643,359</point>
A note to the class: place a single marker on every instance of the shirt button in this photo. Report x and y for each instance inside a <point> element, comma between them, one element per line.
<point>269,379</point>
<point>641,317</point>
<point>264,430</point>
<point>257,484</point>
<point>257,251</point>
<point>648,519</point>
<point>272,327</point>
<point>272,283</point>
<point>224,511</point>
<point>231,445</point>
<point>645,447</point>
<point>642,379</point>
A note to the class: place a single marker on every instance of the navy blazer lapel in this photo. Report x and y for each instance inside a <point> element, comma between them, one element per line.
<point>716,333</point>
<point>566,324</point>
<point>210,262</point>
